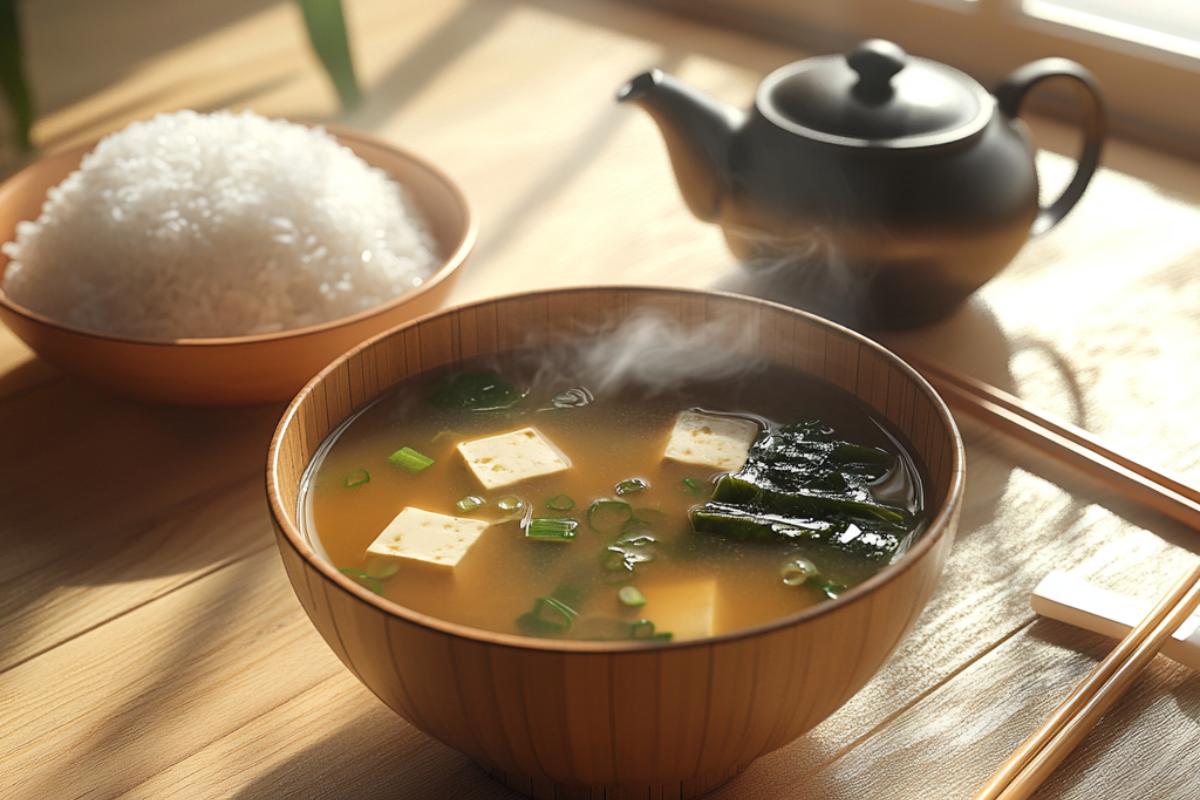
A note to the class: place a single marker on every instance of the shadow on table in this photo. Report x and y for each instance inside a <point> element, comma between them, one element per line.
<point>97,489</point>
<point>373,759</point>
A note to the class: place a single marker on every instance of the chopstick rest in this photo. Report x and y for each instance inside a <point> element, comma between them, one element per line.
<point>1070,599</point>
<point>1035,758</point>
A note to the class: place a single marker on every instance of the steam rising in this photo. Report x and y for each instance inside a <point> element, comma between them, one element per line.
<point>805,271</point>
<point>655,354</point>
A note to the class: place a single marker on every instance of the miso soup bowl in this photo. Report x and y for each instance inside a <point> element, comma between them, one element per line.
<point>661,719</point>
<point>234,370</point>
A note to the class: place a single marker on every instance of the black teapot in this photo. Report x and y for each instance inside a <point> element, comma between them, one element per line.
<point>886,188</point>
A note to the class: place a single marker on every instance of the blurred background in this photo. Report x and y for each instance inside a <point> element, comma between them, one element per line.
<point>88,66</point>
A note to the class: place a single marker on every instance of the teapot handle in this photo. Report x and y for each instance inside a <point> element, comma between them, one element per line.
<point>1011,93</point>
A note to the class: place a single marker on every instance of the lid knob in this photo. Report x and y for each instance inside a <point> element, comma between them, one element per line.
<point>875,61</point>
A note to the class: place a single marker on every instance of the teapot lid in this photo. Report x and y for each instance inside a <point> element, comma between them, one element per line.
<point>875,96</point>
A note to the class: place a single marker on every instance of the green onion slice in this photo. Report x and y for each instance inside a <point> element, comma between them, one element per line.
<point>381,568</point>
<point>560,502</point>
<point>608,516</point>
<point>691,486</point>
<point>551,529</point>
<point>548,618</point>
<point>366,580</point>
<point>630,596</point>
<point>797,571</point>
<point>570,594</point>
<point>409,460</point>
<point>631,486</point>
<point>833,589</point>
<point>357,478</point>
<point>623,558</point>
<point>634,537</point>
<point>469,504</point>
<point>643,630</point>
<point>511,506</point>
<point>613,560</point>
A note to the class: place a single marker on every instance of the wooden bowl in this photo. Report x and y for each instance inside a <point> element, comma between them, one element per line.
<point>656,720</point>
<point>235,370</point>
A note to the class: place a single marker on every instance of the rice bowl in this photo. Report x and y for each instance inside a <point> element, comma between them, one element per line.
<point>206,225</point>
<point>235,370</point>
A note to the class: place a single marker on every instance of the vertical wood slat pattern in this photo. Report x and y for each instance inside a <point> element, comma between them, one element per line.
<point>596,719</point>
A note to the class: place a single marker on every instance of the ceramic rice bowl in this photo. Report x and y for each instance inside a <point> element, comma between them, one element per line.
<point>234,370</point>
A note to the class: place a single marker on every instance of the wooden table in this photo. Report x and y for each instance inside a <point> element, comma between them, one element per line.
<point>150,645</point>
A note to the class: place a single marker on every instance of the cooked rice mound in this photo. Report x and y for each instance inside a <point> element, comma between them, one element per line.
<point>201,225</point>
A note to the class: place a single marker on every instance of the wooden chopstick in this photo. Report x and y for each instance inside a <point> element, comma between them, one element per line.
<point>1030,764</point>
<point>1034,760</point>
<point>1063,441</point>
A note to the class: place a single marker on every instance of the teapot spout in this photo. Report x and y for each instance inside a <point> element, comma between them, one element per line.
<point>697,130</point>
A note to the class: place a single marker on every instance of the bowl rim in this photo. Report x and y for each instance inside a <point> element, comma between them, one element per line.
<point>460,250</point>
<point>938,528</point>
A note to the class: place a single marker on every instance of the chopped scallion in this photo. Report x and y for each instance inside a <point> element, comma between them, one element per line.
<point>551,529</point>
<point>833,589</point>
<point>512,507</point>
<point>357,478</point>
<point>469,504</point>
<point>630,596</point>
<point>797,571</point>
<point>642,629</point>
<point>613,560</point>
<point>570,594</point>
<point>691,486</point>
<point>549,617</point>
<point>634,524</point>
<point>366,580</point>
<point>560,502</point>
<point>607,516</point>
<point>623,558</point>
<point>409,460</point>
<point>631,486</point>
<point>381,568</point>
<point>634,537</point>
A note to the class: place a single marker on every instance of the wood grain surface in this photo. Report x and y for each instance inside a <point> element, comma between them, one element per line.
<point>150,643</point>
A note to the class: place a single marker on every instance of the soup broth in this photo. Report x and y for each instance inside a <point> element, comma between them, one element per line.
<point>622,558</point>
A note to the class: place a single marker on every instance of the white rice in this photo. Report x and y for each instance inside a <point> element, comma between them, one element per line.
<point>193,226</point>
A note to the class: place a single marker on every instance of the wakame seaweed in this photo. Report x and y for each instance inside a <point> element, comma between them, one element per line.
<point>475,391</point>
<point>800,484</point>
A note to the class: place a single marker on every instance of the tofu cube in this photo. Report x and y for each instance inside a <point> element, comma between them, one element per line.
<point>710,440</point>
<point>425,536</point>
<point>685,609</point>
<point>511,457</point>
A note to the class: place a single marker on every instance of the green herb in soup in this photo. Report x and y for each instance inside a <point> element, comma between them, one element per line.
<point>520,500</point>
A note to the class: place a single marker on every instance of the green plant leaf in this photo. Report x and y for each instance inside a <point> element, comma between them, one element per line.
<point>327,32</point>
<point>12,74</point>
